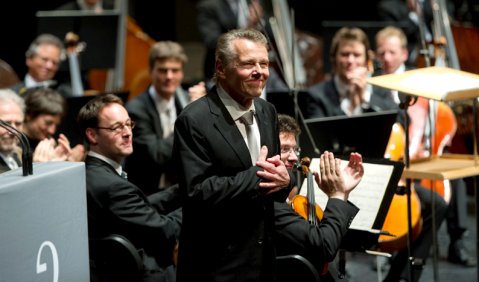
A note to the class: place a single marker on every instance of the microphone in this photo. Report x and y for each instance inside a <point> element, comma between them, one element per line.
<point>27,163</point>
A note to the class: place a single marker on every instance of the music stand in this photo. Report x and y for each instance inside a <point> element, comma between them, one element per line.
<point>440,84</point>
<point>98,31</point>
<point>367,134</point>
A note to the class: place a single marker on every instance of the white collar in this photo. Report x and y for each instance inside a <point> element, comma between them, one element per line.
<point>111,162</point>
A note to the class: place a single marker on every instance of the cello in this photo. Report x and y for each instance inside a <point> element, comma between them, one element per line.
<point>396,221</point>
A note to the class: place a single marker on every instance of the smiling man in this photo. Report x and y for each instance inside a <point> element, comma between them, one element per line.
<point>12,109</point>
<point>228,217</point>
<point>114,204</point>
<point>150,167</point>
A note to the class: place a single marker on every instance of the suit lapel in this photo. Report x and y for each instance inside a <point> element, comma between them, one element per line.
<point>226,126</point>
<point>265,126</point>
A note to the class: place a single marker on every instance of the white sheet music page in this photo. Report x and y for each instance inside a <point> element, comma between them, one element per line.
<point>367,196</point>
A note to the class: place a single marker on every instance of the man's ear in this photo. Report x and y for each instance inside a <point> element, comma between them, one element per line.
<point>91,135</point>
<point>220,69</point>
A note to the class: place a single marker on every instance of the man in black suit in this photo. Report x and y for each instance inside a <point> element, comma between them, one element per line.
<point>154,111</point>
<point>114,204</point>
<point>228,217</point>
<point>12,108</point>
<point>347,92</point>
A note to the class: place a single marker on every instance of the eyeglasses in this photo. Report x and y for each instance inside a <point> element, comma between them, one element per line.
<point>119,127</point>
<point>288,150</point>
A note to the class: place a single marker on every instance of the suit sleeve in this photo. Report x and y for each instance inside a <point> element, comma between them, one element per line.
<point>319,244</point>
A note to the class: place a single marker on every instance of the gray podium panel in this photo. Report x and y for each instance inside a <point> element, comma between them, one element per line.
<point>43,223</point>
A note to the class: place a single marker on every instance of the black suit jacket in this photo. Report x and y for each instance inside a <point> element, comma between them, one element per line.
<point>152,154</point>
<point>4,166</point>
<point>117,206</point>
<point>227,224</point>
<point>323,100</point>
<point>63,88</point>
<point>319,244</point>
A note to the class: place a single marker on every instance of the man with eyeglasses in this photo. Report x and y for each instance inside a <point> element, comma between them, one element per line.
<point>289,131</point>
<point>116,205</point>
<point>43,59</point>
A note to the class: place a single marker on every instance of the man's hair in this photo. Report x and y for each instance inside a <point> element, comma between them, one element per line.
<point>287,124</point>
<point>45,39</point>
<point>348,34</point>
<point>89,113</point>
<point>392,31</point>
<point>9,96</point>
<point>163,50</point>
<point>225,52</point>
<point>40,101</point>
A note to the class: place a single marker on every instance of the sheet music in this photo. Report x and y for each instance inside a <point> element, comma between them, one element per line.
<point>367,196</point>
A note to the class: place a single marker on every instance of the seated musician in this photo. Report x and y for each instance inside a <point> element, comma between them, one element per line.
<point>45,109</point>
<point>291,228</point>
<point>43,59</point>
<point>116,205</point>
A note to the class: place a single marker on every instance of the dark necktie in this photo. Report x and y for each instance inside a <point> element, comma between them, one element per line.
<point>247,120</point>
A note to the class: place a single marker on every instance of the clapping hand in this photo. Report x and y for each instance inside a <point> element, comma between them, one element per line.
<point>337,183</point>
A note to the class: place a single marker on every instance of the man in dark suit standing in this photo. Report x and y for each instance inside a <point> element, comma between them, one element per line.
<point>347,92</point>
<point>228,217</point>
<point>114,204</point>
<point>154,111</point>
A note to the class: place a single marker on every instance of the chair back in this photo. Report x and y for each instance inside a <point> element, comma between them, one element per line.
<point>295,268</point>
<point>114,259</point>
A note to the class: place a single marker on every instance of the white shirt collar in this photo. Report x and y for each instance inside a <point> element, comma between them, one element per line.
<point>233,107</point>
<point>111,162</point>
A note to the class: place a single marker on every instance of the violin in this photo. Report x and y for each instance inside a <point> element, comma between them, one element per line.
<point>306,206</point>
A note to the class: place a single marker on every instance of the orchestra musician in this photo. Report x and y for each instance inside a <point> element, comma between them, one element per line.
<point>154,111</point>
<point>116,205</point>
<point>12,109</point>
<point>43,59</point>
<point>289,131</point>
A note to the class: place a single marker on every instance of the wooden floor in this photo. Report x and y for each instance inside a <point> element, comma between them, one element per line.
<point>359,267</point>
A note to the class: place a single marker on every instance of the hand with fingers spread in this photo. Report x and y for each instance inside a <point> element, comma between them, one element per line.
<point>274,174</point>
<point>337,183</point>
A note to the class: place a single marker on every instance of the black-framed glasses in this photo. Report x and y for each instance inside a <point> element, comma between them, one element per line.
<point>119,127</point>
<point>288,150</point>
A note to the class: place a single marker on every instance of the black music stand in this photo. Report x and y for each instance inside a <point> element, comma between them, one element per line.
<point>367,134</point>
<point>98,31</point>
<point>440,84</point>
